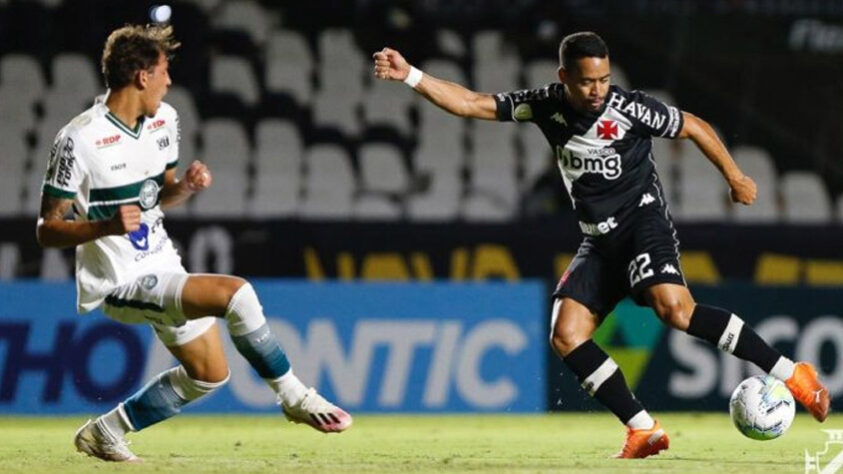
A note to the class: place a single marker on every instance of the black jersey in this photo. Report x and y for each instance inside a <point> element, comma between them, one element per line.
<point>604,157</point>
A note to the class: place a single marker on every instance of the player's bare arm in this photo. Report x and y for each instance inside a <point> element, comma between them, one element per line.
<point>176,191</point>
<point>451,97</point>
<point>53,230</point>
<point>742,187</point>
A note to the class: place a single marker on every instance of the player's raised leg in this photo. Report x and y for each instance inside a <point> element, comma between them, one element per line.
<point>675,306</point>
<point>203,369</point>
<point>572,328</point>
<point>235,300</point>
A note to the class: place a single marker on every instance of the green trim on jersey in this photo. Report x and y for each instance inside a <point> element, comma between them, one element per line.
<point>125,128</point>
<point>105,201</point>
<point>172,164</point>
<point>57,192</point>
<point>121,303</point>
<point>119,193</point>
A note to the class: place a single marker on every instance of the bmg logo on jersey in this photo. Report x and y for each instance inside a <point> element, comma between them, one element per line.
<point>602,161</point>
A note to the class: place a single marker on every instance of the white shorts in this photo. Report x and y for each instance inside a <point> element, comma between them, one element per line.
<point>155,298</point>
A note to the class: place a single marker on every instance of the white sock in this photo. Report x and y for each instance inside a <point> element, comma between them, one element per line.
<point>288,387</point>
<point>783,369</point>
<point>641,421</point>
<point>117,421</point>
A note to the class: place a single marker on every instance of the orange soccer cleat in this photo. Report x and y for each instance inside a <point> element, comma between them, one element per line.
<point>808,390</point>
<point>643,443</point>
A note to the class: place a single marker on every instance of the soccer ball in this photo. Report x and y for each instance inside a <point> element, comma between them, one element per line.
<point>762,407</point>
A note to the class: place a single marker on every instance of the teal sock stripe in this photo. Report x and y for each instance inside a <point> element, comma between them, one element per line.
<point>155,402</point>
<point>263,351</point>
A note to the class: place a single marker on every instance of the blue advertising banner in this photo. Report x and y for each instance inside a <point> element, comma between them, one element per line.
<point>389,347</point>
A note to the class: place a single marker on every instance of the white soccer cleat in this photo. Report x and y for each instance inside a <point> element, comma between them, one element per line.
<point>317,412</point>
<point>96,440</point>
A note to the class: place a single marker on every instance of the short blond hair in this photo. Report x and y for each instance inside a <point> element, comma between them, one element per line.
<point>134,48</point>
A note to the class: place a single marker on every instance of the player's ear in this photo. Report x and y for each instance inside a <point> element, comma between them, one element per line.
<point>142,79</point>
<point>562,73</point>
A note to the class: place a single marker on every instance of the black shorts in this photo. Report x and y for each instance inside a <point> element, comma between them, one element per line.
<point>639,252</point>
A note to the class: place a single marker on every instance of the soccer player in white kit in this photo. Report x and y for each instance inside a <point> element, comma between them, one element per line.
<point>114,166</point>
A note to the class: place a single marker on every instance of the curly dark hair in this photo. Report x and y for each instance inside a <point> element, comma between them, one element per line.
<point>134,48</point>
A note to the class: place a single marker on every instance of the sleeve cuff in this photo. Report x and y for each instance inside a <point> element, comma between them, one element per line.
<point>172,164</point>
<point>55,192</point>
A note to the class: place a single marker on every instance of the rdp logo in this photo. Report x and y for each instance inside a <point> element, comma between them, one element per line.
<point>70,359</point>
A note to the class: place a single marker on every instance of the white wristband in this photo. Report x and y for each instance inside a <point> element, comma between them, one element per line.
<point>414,77</point>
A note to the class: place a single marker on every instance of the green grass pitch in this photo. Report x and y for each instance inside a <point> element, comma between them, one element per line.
<point>702,443</point>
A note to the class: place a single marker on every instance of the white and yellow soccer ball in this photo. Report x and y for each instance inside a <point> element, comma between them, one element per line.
<point>762,407</point>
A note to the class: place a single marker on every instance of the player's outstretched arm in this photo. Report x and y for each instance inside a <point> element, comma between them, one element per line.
<point>177,191</point>
<point>54,231</point>
<point>742,187</point>
<point>451,97</point>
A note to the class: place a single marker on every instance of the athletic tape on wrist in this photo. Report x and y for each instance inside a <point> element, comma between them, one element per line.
<point>414,77</point>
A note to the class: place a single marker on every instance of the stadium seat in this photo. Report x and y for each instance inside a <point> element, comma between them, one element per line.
<point>387,104</point>
<point>207,6</point>
<point>74,75</point>
<point>278,157</point>
<point>382,170</point>
<point>536,158</point>
<point>189,122</point>
<point>18,110</point>
<point>540,72</point>
<point>840,209</point>
<point>329,184</point>
<point>13,155</point>
<point>619,77</point>
<point>450,43</point>
<point>248,16</point>
<point>289,65</point>
<point>702,191</point>
<point>757,164</point>
<point>441,200</point>
<point>22,74</point>
<point>226,152</point>
<point>487,44</point>
<point>496,74</point>
<point>480,207</point>
<point>444,155</point>
<point>234,75</point>
<point>333,109</point>
<point>492,165</point>
<point>341,64</point>
<point>667,156</point>
<point>372,207</point>
<point>804,198</point>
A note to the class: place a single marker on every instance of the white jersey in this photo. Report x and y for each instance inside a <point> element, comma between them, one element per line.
<point>101,163</point>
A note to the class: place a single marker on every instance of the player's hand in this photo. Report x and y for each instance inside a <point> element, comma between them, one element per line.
<point>390,65</point>
<point>197,177</point>
<point>126,219</point>
<point>743,190</point>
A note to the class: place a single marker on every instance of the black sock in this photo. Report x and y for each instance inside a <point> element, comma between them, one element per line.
<point>729,333</point>
<point>594,369</point>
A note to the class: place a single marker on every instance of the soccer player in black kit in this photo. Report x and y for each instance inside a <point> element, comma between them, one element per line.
<point>602,138</point>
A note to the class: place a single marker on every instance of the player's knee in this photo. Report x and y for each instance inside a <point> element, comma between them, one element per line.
<point>230,286</point>
<point>205,371</point>
<point>565,338</point>
<point>674,312</point>
<point>190,387</point>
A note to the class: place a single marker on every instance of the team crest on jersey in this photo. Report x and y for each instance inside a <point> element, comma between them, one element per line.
<point>148,194</point>
<point>607,130</point>
<point>149,281</point>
